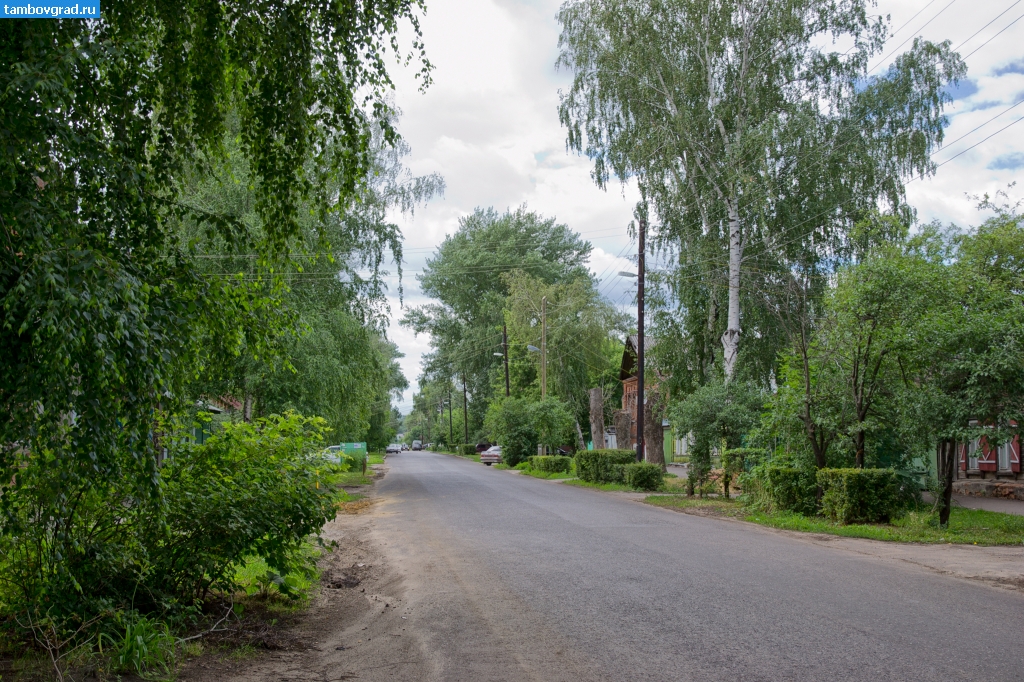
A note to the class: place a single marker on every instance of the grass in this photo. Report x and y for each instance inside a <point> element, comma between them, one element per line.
<point>966,526</point>
<point>548,475</point>
<point>376,458</point>
<point>579,482</point>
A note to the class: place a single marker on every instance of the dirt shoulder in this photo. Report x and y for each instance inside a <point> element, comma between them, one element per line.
<point>354,627</point>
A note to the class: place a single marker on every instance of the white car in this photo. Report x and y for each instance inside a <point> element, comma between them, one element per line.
<point>491,455</point>
<point>394,447</point>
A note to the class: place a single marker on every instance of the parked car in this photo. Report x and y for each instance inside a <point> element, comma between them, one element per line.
<point>417,445</point>
<point>480,447</point>
<point>491,455</point>
<point>405,446</point>
<point>394,447</point>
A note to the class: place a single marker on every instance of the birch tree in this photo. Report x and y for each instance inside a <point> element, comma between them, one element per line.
<point>747,127</point>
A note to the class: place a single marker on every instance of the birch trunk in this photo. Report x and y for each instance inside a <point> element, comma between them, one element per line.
<point>731,337</point>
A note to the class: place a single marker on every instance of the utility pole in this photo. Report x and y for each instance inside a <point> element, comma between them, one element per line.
<point>544,347</point>
<point>465,410</point>
<point>504,350</point>
<point>640,454</point>
<point>450,436</point>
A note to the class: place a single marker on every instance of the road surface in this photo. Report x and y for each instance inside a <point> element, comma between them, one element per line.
<point>517,578</point>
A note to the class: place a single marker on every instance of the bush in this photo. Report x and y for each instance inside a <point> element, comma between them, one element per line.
<point>643,476</point>
<point>862,495</point>
<point>603,466</point>
<point>510,422</point>
<point>736,462</point>
<point>467,449</point>
<point>790,489</point>
<point>552,464</point>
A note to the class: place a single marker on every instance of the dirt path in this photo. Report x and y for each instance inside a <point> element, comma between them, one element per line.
<point>355,626</point>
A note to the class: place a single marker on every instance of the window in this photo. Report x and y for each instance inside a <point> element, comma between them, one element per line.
<point>1004,455</point>
<point>972,453</point>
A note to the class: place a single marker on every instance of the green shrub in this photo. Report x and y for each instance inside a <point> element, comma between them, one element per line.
<point>738,461</point>
<point>643,476</point>
<point>603,466</point>
<point>252,490</point>
<point>862,495</point>
<point>552,464</point>
<point>790,489</point>
<point>467,449</point>
<point>509,421</point>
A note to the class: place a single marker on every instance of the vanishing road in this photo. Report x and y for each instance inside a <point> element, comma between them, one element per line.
<point>513,578</point>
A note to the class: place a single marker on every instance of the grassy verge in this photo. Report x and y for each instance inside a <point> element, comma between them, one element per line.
<point>548,475</point>
<point>598,486</point>
<point>376,458</point>
<point>966,526</point>
<point>474,458</point>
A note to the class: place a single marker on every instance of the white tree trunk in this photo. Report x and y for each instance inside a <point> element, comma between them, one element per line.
<point>731,337</point>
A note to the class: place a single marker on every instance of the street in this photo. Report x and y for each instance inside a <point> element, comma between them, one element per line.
<point>472,573</point>
<point>550,578</point>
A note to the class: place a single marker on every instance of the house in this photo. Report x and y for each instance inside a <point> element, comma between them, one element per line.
<point>628,377</point>
<point>990,471</point>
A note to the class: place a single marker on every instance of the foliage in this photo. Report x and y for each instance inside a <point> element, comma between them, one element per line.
<point>603,466</point>
<point>580,325</point>
<point>643,476</point>
<point>862,495</point>
<point>553,464</point>
<point>143,646</point>
<point>252,490</point>
<point>553,422</point>
<point>105,314</point>
<point>966,526</point>
<point>467,449</point>
<point>718,415</point>
<point>737,461</point>
<point>788,488</point>
<point>758,143</point>
<point>464,277</point>
<point>510,424</point>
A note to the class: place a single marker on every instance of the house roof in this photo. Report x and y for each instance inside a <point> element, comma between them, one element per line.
<point>628,367</point>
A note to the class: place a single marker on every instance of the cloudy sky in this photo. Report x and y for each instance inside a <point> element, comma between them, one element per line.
<point>489,125</point>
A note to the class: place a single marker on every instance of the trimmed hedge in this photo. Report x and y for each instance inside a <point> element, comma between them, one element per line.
<point>862,495</point>
<point>467,449</point>
<point>643,476</point>
<point>791,489</point>
<point>603,466</point>
<point>552,464</point>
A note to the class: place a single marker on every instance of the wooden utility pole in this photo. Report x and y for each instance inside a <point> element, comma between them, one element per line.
<point>504,350</point>
<point>543,347</point>
<point>451,436</point>
<point>465,410</point>
<point>640,341</point>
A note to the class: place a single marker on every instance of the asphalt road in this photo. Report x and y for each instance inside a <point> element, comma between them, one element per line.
<point>513,578</point>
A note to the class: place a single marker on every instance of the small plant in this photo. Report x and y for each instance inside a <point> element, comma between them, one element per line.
<point>643,476</point>
<point>144,645</point>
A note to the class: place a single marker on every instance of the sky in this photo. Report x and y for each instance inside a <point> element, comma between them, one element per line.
<point>489,126</point>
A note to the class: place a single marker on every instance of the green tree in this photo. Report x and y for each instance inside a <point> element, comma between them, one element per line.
<point>104,312</point>
<point>509,423</point>
<point>579,326</point>
<point>719,415</point>
<point>757,145</point>
<point>464,278</point>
